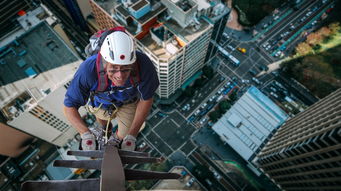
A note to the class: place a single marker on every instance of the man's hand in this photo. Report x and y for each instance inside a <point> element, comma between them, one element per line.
<point>88,141</point>
<point>114,140</point>
<point>128,143</point>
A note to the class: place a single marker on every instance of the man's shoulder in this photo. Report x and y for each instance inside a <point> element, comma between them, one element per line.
<point>141,56</point>
<point>88,65</point>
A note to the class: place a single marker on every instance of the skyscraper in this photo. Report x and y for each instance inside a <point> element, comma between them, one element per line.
<point>9,10</point>
<point>35,67</point>
<point>174,34</point>
<point>305,153</point>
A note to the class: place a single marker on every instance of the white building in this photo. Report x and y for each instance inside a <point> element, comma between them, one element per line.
<point>174,34</point>
<point>248,124</point>
<point>35,66</point>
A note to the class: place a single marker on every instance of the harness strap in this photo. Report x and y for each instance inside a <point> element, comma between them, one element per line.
<point>101,76</point>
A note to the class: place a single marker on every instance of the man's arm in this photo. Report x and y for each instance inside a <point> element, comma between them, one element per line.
<point>75,119</point>
<point>142,111</point>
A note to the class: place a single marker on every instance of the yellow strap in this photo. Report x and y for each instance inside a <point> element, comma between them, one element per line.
<point>109,121</point>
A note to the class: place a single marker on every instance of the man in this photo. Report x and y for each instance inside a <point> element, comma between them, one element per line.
<point>124,99</point>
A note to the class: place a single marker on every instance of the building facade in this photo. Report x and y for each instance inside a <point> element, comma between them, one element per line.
<point>249,123</point>
<point>174,34</point>
<point>36,65</point>
<point>305,153</point>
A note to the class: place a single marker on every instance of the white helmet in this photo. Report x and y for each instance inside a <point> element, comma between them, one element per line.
<point>118,48</point>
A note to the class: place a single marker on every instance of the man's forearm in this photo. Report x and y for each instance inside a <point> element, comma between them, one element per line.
<point>142,111</point>
<point>75,119</point>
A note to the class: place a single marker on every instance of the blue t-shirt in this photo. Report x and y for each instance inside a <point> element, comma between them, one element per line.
<point>85,81</point>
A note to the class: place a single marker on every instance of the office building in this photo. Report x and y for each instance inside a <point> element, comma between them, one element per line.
<point>174,34</point>
<point>35,66</point>
<point>10,10</point>
<point>248,124</point>
<point>305,153</point>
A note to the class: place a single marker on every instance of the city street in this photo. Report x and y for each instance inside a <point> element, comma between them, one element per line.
<point>176,133</point>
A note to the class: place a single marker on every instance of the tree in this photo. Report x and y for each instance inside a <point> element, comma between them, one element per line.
<point>317,47</point>
<point>314,38</point>
<point>202,172</point>
<point>233,96</point>
<point>324,31</point>
<point>224,106</point>
<point>334,27</point>
<point>189,91</point>
<point>303,48</point>
<point>214,116</point>
<point>208,71</point>
<point>199,82</point>
<point>327,39</point>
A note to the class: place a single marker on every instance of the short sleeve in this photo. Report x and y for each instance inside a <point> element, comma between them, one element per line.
<point>84,79</point>
<point>148,76</point>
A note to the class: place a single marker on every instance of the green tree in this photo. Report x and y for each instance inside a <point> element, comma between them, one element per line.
<point>224,106</point>
<point>189,91</point>
<point>214,116</point>
<point>202,172</point>
<point>233,96</point>
<point>317,47</point>
<point>208,71</point>
<point>199,82</point>
<point>327,39</point>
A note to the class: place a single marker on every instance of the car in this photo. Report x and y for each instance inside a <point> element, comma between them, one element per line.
<point>203,121</point>
<point>256,81</point>
<point>142,145</point>
<point>216,175</point>
<point>226,35</point>
<point>282,48</point>
<point>276,17</point>
<point>274,94</point>
<point>186,107</point>
<point>314,23</point>
<point>273,89</point>
<point>191,119</point>
<point>265,45</point>
<point>203,105</point>
<point>227,84</point>
<point>268,47</point>
<point>161,114</point>
<point>212,98</point>
<point>263,67</point>
<point>197,112</point>
<point>292,26</point>
<point>230,47</point>
<point>277,53</point>
<point>221,90</point>
<point>265,25</point>
<point>245,81</point>
<point>253,72</point>
<point>314,9</point>
<point>190,182</point>
<point>220,97</point>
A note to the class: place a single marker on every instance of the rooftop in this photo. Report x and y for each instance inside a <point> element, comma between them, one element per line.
<point>249,122</point>
<point>34,64</point>
<point>34,52</point>
<point>160,47</point>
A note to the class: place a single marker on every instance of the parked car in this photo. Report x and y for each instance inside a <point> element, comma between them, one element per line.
<point>203,121</point>
<point>256,81</point>
<point>253,72</point>
<point>190,182</point>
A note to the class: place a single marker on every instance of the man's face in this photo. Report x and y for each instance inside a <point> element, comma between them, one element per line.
<point>118,74</point>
